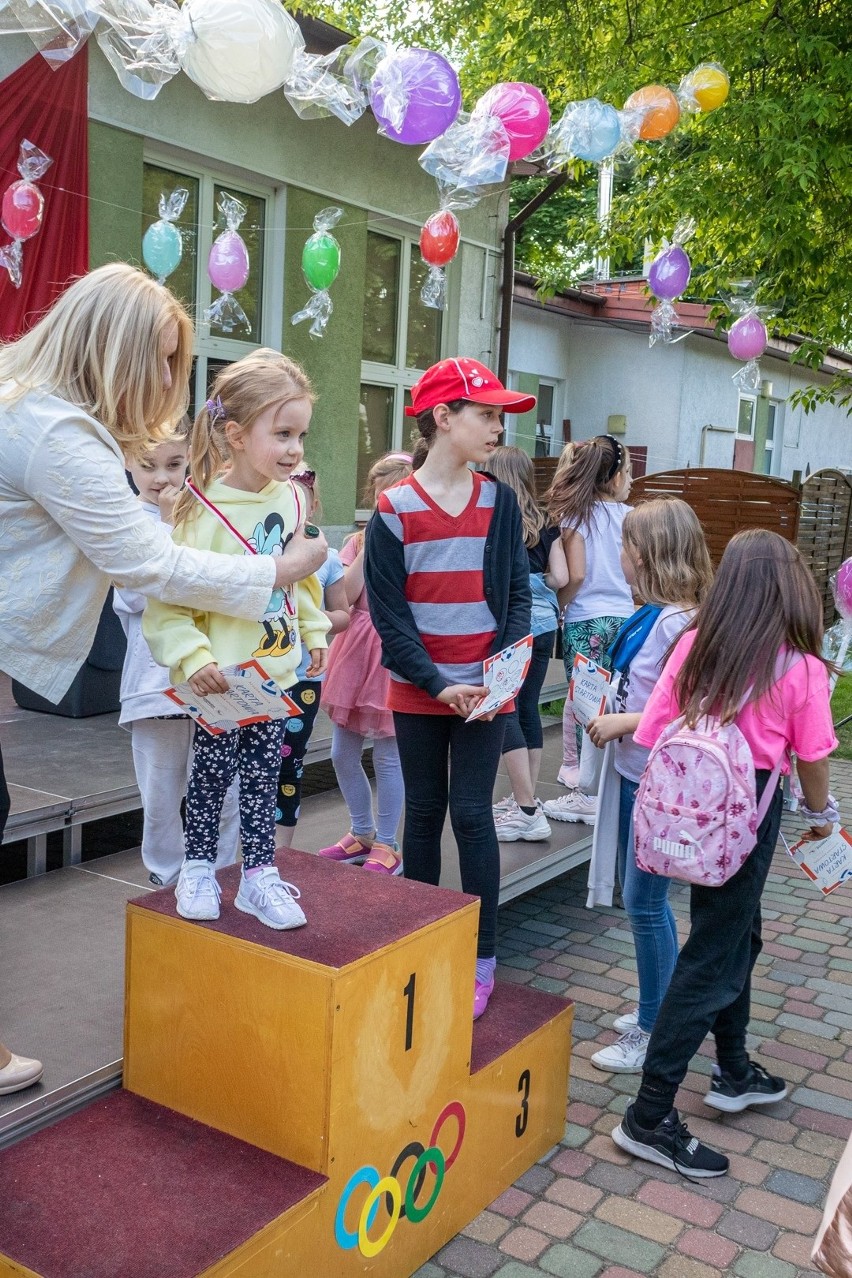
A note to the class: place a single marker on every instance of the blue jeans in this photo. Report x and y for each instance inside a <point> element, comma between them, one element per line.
<point>646,900</point>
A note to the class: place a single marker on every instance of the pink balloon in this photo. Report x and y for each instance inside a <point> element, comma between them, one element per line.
<point>524,112</point>
<point>843,589</point>
<point>747,337</point>
<point>23,207</point>
<point>228,263</point>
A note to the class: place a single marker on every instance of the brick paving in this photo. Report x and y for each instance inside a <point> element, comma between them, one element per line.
<point>587,1210</point>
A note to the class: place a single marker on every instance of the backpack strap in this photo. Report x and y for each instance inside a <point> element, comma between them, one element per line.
<point>784,663</point>
<point>632,636</point>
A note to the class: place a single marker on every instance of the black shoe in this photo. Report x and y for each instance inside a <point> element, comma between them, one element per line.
<point>670,1145</point>
<point>732,1094</point>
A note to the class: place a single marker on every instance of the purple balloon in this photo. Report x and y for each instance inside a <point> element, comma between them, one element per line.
<point>228,263</point>
<point>669,273</point>
<point>421,89</point>
<point>747,337</point>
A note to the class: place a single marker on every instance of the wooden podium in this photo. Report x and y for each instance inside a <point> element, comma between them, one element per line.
<point>335,1069</point>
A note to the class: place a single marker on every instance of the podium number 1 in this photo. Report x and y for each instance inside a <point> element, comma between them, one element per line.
<point>408,992</point>
<point>522,1119</point>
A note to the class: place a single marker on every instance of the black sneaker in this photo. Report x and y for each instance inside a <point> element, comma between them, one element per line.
<point>670,1145</point>
<point>757,1088</point>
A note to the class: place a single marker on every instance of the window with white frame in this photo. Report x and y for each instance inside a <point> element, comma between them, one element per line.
<point>768,463</point>
<point>199,224</point>
<point>545,419</point>
<point>402,338</point>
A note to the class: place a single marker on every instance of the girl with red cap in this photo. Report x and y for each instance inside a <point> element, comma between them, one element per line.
<point>448,584</point>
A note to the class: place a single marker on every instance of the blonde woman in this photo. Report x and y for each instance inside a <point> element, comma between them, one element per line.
<point>519,816</point>
<point>78,391</point>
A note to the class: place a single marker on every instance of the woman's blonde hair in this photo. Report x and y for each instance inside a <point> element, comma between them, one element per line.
<point>240,393</point>
<point>514,467</point>
<point>100,346</point>
<point>669,551</point>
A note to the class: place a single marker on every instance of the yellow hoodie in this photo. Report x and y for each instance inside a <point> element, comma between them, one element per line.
<point>185,640</point>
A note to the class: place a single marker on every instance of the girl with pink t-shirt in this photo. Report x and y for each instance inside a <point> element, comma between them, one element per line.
<point>763,607</point>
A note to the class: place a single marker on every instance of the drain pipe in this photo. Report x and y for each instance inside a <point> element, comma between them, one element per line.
<point>509,235</point>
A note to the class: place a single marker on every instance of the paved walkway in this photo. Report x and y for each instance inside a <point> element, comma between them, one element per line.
<point>589,1211</point>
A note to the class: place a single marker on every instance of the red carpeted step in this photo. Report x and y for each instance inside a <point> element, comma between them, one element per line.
<point>513,1013</point>
<point>126,1187</point>
<point>351,912</point>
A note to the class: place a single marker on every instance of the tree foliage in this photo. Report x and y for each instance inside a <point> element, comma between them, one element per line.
<point>768,177</point>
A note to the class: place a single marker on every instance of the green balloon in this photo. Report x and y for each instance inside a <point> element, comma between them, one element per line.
<point>321,260</point>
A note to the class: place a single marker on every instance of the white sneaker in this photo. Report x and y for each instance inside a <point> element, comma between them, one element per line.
<point>573,806</point>
<point>569,776</point>
<point>197,893</point>
<point>270,899</point>
<point>516,824</point>
<point>503,805</point>
<point>628,1021</point>
<point>627,1056</point>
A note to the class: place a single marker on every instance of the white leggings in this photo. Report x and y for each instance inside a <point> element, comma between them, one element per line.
<point>346,749</point>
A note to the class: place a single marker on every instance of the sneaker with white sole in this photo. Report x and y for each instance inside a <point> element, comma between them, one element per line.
<point>197,893</point>
<point>270,899</point>
<point>503,805</point>
<point>569,776</point>
<point>669,1144</point>
<point>626,1056</point>
<point>757,1088</point>
<point>628,1021</point>
<point>516,825</point>
<point>573,806</point>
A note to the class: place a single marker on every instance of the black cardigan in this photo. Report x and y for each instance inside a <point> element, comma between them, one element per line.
<point>507,592</point>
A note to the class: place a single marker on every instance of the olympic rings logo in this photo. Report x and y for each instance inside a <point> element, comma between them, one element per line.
<point>400,1204</point>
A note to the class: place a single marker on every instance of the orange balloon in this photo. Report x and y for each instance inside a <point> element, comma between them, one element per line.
<point>658,108</point>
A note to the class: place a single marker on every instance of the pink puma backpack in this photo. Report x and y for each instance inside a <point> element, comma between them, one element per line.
<point>696,815</point>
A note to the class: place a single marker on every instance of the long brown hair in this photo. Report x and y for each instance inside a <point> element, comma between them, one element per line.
<point>241,392</point>
<point>514,467</point>
<point>669,552</point>
<point>592,476</point>
<point>762,599</point>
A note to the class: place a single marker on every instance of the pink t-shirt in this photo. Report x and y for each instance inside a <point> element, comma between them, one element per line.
<point>794,715</point>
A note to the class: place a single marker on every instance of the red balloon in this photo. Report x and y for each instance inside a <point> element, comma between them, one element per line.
<point>439,239</point>
<point>23,206</point>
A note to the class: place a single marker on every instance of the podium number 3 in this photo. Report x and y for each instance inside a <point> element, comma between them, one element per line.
<point>522,1118</point>
<point>408,993</point>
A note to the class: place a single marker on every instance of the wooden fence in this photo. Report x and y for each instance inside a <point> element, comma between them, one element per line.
<point>825,529</point>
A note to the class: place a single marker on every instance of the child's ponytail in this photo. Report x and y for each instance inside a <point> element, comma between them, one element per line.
<point>576,490</point>
<point>208,453</point>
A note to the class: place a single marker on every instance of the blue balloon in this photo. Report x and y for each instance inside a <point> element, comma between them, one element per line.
<point>162,248</point>
<point>590,130</point>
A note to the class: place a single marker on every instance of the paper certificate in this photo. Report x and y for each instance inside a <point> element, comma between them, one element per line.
<point>588,688</point>
<point>826,862</point>
<point>503,674</point>
<point>252,697</point>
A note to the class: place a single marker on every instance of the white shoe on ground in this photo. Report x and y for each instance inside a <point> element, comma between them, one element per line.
<point>628,1021</point>
<point>573,806</point>
<point>270,899</point>
<point>515,825</point>
<point>197,893</point>
<point>626,1056</point>
<point>502,805</point>
<point>20,1072</point>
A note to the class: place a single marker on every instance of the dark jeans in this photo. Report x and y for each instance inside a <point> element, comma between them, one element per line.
<point>448,761</point>
<point>710,989</point>
<point>297,734</point>
<point>523,726</point>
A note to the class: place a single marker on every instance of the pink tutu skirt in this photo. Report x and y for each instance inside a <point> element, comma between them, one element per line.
<point>355,691</point>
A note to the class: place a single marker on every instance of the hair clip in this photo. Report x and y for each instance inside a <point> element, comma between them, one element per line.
<point>306,477</point>
<point>215,410</point>
<point>400,457</point>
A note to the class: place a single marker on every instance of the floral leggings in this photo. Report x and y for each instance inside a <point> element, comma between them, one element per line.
<point>253,752</point>
<point>592,639</point>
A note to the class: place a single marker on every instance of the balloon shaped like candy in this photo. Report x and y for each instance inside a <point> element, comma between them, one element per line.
<point>657,108</point>
<point>415,96</point>
<point>523,111</point>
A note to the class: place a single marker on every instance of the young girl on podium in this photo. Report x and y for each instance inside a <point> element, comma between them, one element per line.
<point>246,443</point>
<point>448,583</point>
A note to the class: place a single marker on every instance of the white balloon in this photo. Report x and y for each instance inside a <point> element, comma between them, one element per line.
<point>239,50</point>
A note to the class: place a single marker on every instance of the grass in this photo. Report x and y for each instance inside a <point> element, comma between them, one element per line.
<point>841,706</point>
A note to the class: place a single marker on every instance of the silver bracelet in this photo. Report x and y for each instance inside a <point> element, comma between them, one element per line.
<point>830,813</point>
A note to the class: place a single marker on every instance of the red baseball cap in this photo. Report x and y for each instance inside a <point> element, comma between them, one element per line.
<point>463,378</point>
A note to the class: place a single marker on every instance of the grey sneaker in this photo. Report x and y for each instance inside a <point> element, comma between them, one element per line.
<point>626,1056</point>
<point>628,1021</point>
<point>270,899</point>
<point>516,825</point>
<point>197,893</point>
<point>573,806</point>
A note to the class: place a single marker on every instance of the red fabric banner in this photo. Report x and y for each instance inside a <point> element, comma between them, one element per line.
<point>50,109</point>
